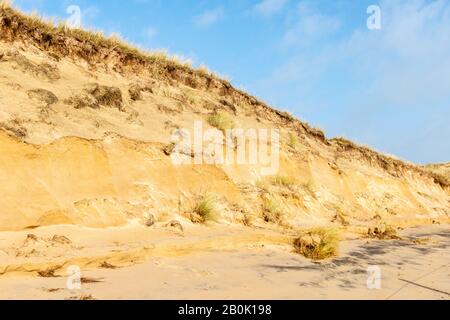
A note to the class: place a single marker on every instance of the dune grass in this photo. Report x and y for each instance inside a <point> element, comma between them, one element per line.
<point>273,210</point>
<point>53,28</point>
<point>284,181</point>
<point>221,121</point>
<point>318,244</point>
<point>205,209</point>
<point>292,140</point>
<point>383,232</point>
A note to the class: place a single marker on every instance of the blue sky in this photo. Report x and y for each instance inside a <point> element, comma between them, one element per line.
<point>388,88</point>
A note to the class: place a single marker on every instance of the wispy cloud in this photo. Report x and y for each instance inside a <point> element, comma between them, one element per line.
<point>390,88</point>
<point>310,25</point>
<point>269,7</point>
<point>209,17</point>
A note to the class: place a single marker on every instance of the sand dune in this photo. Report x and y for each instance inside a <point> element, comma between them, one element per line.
<point>87,178</point>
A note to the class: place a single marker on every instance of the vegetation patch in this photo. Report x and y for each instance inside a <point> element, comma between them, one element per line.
<point>318,244</point>
<point>273,210</point>
<point>383,232</point>
<point>285,181</point>
<point>205,210</point>
<point>292,141</point>
<point>221,121</point>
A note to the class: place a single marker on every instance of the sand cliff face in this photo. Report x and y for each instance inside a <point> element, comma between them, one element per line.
<point>84,141</point>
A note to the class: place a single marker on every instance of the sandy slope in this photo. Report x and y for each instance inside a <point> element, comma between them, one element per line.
<point>220,263</point>
<point>102,163</point>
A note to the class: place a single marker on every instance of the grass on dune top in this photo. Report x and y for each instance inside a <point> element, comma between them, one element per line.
<point>54,27</point>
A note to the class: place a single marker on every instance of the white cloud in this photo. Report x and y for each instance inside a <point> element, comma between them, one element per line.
<point>209,17</point>
<point>410,54</point>
<point>269,7</point>
<point>310,26</point>
<point>388,88</point>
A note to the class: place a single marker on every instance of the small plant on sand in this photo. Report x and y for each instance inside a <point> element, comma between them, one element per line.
<point>272,210</point>
<point>292,140</point>
<point>221,121</point>
<point>284,181</point>
<point>205,209</point>
<point>383,232</point>
<point>288,182</point>
<point>318,244</point>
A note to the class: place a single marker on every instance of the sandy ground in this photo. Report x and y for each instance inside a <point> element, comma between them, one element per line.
<point>164,264</point>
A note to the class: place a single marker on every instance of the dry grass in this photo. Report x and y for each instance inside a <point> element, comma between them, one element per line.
<point>6,4</point>
<point>273,210</point>
<point>318,244</point>
<point>293,141</point>
<point>422,241</point>
<point>205,210</point>
<point>53,29</point>
<point>285,181</point>
<point>383,232</point>
<point>221,121</point>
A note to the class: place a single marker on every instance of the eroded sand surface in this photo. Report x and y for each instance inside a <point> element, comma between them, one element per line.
<point>218,263</point>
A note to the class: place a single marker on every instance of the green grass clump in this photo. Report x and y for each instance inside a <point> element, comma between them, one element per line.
<point>273,210</point>
<point>205,210</point>
<point>292,140</point>
<point>383,232</point>
<point>221,121</point>
<point>318,244</point>
<point>284,181</point>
